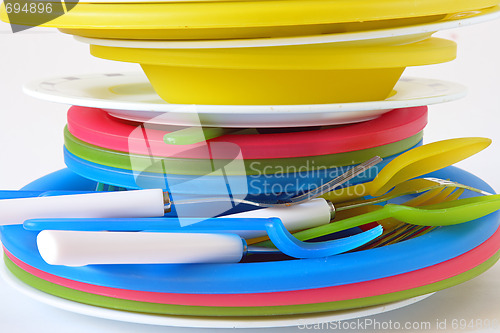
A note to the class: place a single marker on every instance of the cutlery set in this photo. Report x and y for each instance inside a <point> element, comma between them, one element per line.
<point>268,164</point>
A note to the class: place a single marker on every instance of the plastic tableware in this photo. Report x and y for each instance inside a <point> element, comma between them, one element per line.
<point>149,203</point>
<point>179,246</point>
<point>395,283</point>
<point>245,19</point>
<point>154,203</point>
<point>228,311</point>
<point>429,249</point>
<point>96,127</point>
<point>212,160</point>
<point>414,163</point>
<point>440,214</point>
<point>401,34</point>
<point>446,213</point>
<point>414,186</point>
<point>277,186</point>
<point>193,321</point>
<point>67,244</point>
<point>193,135</point>
<point>131,97</point>
<point>311,210</point>
<point>287,75</point>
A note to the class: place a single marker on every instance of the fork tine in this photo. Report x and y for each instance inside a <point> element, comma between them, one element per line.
<point>419,200</point>
<point>414,232</point>
<point>407,233</point>
<point>390,237</point>
<point>413,186</point>
<point>455,195</point>
<point>400,231</point>
<point>395,230</point>
<point>440,197</point>
<point>423,198</point>
<point>450,194</point>
<point>448,182</point>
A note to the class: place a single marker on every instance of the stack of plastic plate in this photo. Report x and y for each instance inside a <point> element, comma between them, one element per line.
<point>338,68</point>
<point>296,93</point>
<point>105,149</point>
<point>290,149</point>
<point>247,294</point>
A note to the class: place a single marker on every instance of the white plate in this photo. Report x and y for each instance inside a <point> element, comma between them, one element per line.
<point>130,96</point>
<point>405,34</point>
<point>200,322</point>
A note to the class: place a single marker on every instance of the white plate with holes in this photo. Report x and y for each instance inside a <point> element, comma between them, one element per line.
<point>130,96</point>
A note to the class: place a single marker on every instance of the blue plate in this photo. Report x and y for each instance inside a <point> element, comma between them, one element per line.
<point>255,186</point>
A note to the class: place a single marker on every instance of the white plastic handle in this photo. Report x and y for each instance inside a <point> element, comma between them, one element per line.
<point>141,203</point>
<point>77,248</point>
<point>310,214</point>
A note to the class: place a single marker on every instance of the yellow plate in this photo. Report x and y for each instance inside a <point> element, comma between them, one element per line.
<point>298,74</point>
<point>247,19</point>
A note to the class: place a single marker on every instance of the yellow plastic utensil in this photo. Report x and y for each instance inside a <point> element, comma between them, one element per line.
<point>412,164</point>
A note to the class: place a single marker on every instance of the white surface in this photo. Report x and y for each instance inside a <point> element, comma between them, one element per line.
<point>31,141</point>
<point>400,35</point>
<point>130,96</point>
<point>143,203</point>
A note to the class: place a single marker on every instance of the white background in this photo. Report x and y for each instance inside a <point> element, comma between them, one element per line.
<point>31,141</point>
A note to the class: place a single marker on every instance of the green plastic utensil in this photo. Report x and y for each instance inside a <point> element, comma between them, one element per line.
<point>192,135</point>
<point>412,164</point>
<point>441,214</point>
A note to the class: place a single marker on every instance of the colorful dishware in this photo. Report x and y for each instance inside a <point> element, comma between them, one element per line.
<point>396,283</point>
<point>246,19</point>
<point>98,128</point>
<point>277,186</point>
<point>471,230</point>
<point>401,34</point>
<point>212,161</point>
<point>432,248</point>
<point>430,157</point>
